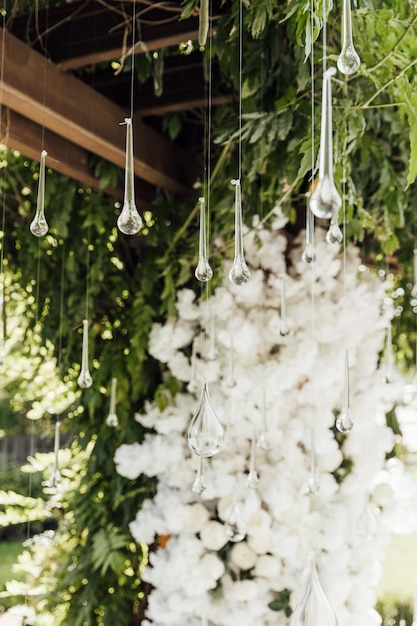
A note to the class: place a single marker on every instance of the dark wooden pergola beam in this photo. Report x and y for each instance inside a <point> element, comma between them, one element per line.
<point>19,133</point>
<point>87,33</point>
<point>64,105</point>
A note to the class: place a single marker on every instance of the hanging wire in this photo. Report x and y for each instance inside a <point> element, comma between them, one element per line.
<point>240,88</point>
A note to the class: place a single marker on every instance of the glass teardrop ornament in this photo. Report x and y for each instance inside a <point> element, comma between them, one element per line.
<point>309,253</point>
<point>112,419</point>
<point>348,61</point>
<point>129,221</point>
<point>39,225</point>
<point>84,379</point>
<point>235,526</point>
<point>55,480</point>
<point>314,609</point>
<point>252,480</point>
<point>205,433</point>
<point>334,234</point>
<point>367,524</point>
<point>344,423</point>
<point>203,271</point>
<point>199,484</point>
<point>239,273</point>
<point>325,200</point>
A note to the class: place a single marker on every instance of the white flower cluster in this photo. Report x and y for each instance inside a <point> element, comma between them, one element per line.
<point>287,389</point>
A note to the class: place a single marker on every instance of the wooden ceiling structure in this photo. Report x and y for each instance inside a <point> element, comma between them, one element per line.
<point>60,92</point>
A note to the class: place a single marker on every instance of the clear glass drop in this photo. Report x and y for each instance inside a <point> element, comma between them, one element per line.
<point>284,329</point>
<point>325,200</point>
<point>55,480</point>
<point>205,433</point>
<point>235,526</point>
<point>313,484</point>
<point>231,380</point>
<point>199,484</point>
<point>309,254</point>
<point>334,234</point>
<point>39,225</point>
<point>348,61</point>
<point>129,221</point>
<point>263,440</point>
<point>414,289</point>
<point>252,479</point>
<point>203,271</point>
<point>367,524</point>
<point>314,608</point>
<point>84,379</point>
<point>239,273</point>
<point>111,419</point>
<point>389,375</point>
<point>344,423</point>
<point>193,385</point>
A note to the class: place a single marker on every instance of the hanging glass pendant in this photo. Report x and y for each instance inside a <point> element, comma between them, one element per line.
<point>235,526</point>
<point>84,379</point>
<point>313,484</point>
<point>284,329</point>
<point>367,524</point>
<point>344,423</point>
<point>129,221</point>
<point>205,433</point>
<point>389,376</point>
<point>203,22</point>
<point>111,419</point>
<point>203,271</point>
<point>55,480</point>
<point>263,440</point>
<point>239,273</point>
<point>252,479</point>
<point>325,200</point>
<point>334,234</point>
<point>39,225</point>
<point>309,254</point>
<point>314,609</point>
<point>348,62</point>
<point>199,484</point>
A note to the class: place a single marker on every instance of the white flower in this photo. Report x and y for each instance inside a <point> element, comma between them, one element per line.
<point>242,556</point>
<point>127,462</point>
<point>213,535</point>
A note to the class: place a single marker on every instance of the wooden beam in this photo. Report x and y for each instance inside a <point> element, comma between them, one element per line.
<point>39,91</point>
<point>87,33</point>
<point>19,133</point>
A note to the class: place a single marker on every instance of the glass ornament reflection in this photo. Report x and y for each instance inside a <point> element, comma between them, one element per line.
<point>203,271</point>
<point>239,273</point>
<point>348,61</point>
<point>325,200</point>
<point>85,379</point>
<point>112,419</point>
<point>334,235</point>
<point>235,526</point>
<point>314,608</point>
<point>199,484</point>
<point>39,225</point>
<point>129,221</point>
<point>205,433</point>
<point>344,423</point>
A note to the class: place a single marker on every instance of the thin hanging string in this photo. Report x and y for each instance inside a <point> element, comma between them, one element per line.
<point>209,124</point>
<point>61,309</point>
<point>132,73</point>
<point>313,106</point>
<point>87,277</point>
<point>3,215</point>
<point>324,36</point>
<point>240,89</point>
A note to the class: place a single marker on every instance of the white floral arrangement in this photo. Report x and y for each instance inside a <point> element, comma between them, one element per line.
<point>290,390</point>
